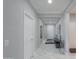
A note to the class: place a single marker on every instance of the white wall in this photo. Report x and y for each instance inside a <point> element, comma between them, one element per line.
<point>44,32</point>
<point>66,32</point>
<point>61,22</point>
<point>14,43</point>
<point>37,33</point>
<point>72,31</point>
<point>13,38</point>
<point>64,21</point>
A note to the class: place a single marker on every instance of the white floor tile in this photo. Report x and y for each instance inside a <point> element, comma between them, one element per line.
<point>48,51</point>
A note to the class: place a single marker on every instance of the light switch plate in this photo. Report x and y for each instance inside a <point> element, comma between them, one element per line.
<point>6,43</point>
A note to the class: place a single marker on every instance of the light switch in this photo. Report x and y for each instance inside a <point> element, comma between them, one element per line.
<point>6,43</point>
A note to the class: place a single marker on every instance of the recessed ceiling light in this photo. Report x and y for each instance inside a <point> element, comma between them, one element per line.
<point>50,1</point>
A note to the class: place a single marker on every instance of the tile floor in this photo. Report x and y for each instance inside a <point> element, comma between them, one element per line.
<point>50,52</point>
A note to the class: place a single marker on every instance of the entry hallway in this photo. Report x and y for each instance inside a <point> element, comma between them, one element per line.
<point>48,51</point>
<point>27,23</point>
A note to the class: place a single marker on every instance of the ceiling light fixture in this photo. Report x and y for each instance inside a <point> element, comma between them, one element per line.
<point>50,1</point>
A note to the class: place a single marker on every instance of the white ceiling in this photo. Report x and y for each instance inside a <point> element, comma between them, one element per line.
<point>42,6</point>
<point>50,20</point>
<point>55,9</point>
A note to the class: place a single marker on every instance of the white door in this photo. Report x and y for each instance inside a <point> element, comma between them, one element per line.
<point>28,37</point>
